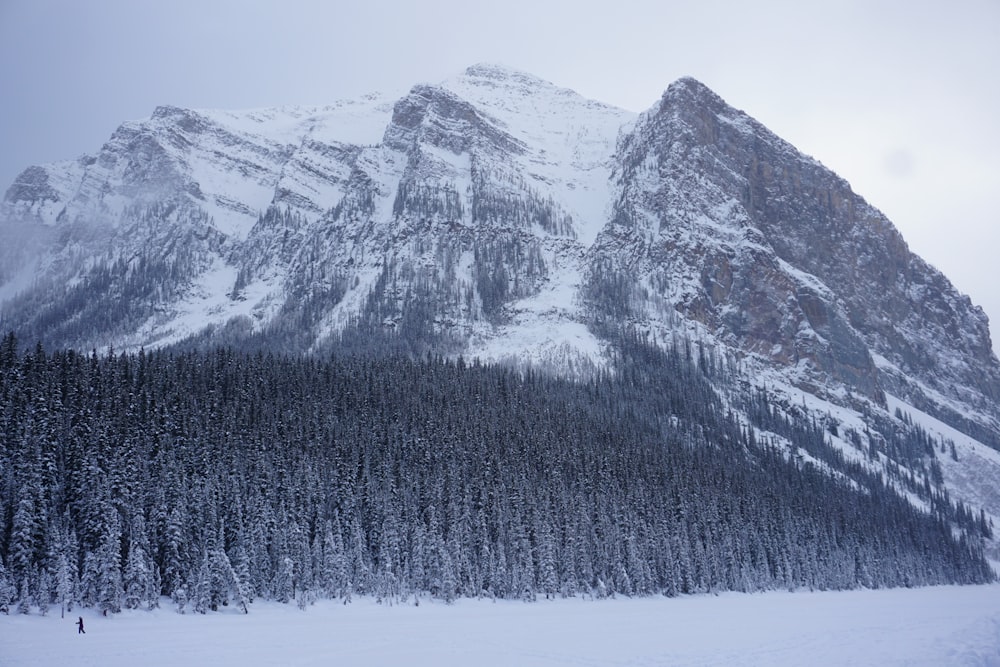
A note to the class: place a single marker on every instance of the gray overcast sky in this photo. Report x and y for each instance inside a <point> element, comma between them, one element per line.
<point>900,98</point>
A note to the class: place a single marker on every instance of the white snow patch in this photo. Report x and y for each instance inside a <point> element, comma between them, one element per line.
<point>806,280</point>
<point>570,139</point>
<point>929,392</point>
<point>360,121</point>
<point>209,302</point>
<point>451,167</point>
<point>973,477</point>
<point>544,328</point>
<point>353,301</point>
<point>538,342</point>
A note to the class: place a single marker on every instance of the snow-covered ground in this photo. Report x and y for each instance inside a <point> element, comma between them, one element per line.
<point>936,627</point>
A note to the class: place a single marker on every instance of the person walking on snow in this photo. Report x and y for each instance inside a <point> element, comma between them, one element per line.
<point>79,627</point>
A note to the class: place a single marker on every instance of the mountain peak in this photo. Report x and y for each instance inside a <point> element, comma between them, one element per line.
<point>167,111</point>
<point>489,80</point>
<point>515,96</point>
<point>688,83</point>
<point>687,89</point>
<point>501,73</point>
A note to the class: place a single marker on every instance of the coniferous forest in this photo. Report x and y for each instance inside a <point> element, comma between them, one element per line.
<point>218,477</point>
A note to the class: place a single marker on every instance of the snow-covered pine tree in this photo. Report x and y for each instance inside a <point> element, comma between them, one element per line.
<point>180,599</point>
<point>25,535</point>
<point>449,581</point>
<point>200,586</point>
<point>304,579</point>
<point>221,579</point>
<point>284,581</point>
<point>88,580</point>
<point>63,560</point>
<point>109,565</point>
<point>7,590</point>
<point>25,599</point>
<point>240,565</point>
<point>548,579</point>
<point>334,568</point>
<point>138,579</point>
<point>43,598</point>
<point>64,585</point>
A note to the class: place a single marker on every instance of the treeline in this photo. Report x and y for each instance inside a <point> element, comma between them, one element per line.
<point>220,477</point>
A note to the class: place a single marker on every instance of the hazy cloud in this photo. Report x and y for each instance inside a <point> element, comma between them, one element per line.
<point>899,163</point>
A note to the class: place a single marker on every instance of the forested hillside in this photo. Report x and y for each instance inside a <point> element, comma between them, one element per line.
<point>219,477</point>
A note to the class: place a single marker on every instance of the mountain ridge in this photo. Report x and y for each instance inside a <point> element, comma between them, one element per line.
<point>496,215</point>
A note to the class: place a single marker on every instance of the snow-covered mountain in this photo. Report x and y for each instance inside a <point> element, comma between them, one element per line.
<point>498,216</point>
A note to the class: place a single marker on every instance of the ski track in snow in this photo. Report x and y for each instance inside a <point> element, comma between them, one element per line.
<point>937,626</point>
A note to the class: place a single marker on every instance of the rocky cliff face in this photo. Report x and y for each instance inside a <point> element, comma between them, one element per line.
<point>499,216</point>
<point>776,255</point>
<point>705,187</point>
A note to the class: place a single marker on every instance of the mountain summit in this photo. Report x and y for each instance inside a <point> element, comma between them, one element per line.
<point>498,216</point>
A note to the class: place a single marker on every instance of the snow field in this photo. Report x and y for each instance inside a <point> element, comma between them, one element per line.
<point>938,626</point>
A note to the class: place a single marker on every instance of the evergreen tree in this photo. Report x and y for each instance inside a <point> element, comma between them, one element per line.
<point>109,590</point>
<point>7,591</point>
<point>138,579</point>
<point>65,583</point>
<point>44,596</point>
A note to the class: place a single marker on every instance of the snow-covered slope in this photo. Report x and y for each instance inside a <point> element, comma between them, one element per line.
<point>499,216</point>
<point>569,140</point>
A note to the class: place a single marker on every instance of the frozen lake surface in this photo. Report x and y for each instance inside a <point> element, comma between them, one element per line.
<point>940,626</point>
